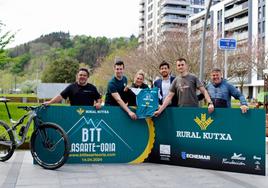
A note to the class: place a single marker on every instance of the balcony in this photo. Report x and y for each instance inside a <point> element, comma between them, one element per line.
<point>171,10</point>
<point>237,9</point>
<point>141,24</point>
<point>240,36</point>
<point>141,33</point>
<point>172,28</point>
<point>142,9</point>
<point>175,2</point>
<point>141,17</point>
<point>237,23</point>
<point>141,40</point>
<point>142,2</point>
<point>173,19</point>
<point>199,26</point>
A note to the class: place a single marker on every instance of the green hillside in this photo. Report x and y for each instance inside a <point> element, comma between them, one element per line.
<point>54,58</point>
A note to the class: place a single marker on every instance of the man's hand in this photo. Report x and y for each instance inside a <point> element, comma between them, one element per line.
<point>157,113</point>
<point>244,109</point>
<point>46,103</point>
<point>132,115</point>
<point>210,108</point>
<point>98,106</point>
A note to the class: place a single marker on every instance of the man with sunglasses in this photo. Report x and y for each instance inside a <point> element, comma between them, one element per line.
<point>115,95</point>
<point>184,87</point>
<point>80,93</point>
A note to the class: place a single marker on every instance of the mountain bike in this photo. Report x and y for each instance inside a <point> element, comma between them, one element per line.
<point>49,143</point>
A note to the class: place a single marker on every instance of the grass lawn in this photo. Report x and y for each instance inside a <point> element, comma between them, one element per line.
<point>18,95</point>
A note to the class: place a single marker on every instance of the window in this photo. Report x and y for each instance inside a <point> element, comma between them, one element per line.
<point>220,15</point>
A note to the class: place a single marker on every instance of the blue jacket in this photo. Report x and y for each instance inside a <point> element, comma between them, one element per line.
<point>158,83</point>
<point>224,91</point>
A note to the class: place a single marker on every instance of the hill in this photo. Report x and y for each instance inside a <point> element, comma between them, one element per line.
<point>51,56</point>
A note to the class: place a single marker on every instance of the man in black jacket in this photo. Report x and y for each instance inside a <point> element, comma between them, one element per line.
<point>164,83</point>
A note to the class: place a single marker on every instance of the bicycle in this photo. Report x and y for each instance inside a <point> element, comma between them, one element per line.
<point>49,144</point>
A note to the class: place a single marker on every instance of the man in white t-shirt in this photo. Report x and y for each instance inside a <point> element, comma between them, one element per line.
<point>164,83</point>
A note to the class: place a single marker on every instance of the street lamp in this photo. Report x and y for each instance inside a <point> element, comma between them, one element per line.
<point>265,89</point>
<point>202,55</point>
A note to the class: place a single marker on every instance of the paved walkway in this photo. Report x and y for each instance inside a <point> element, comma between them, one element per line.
<point>19,172</point>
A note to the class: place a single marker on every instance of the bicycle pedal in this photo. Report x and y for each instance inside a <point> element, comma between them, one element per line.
<point>21,130</point>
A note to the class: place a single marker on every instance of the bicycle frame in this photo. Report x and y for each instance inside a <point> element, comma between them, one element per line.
<point>14,124</point>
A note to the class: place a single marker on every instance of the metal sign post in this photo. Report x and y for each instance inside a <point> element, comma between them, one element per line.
<point>226,44</point>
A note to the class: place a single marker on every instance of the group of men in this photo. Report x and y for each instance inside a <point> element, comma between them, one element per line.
<point>173,91</point>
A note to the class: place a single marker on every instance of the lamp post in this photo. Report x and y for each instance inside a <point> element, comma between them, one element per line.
<point>265,89</point>
<point>203,46</point>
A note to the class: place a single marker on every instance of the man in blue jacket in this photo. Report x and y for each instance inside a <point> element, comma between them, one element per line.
<point>221,91</point>
<point>164,83</point>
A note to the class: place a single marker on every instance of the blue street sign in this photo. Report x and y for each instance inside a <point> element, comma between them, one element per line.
<point>227,44</point>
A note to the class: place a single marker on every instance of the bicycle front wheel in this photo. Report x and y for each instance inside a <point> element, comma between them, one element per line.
<point>50,146</point>
<point>7,146</point>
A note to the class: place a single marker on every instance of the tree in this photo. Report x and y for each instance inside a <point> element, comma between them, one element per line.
<point>62,70</point>
<point>5,39</point>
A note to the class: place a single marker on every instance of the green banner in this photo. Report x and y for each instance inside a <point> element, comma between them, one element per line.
<point>102,136</point>
<point>224,140</point>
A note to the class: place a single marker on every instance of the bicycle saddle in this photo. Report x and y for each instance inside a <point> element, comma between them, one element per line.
<point>2,99</point>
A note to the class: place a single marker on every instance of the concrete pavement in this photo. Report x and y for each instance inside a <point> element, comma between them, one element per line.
<point>19,172</point>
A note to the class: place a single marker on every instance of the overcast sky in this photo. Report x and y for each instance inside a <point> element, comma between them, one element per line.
<point>32,18</point>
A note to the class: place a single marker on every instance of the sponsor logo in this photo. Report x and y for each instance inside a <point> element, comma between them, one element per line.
<point>233,162</point>
<point>165,152</point>
<point>204,135</point>
<point>165,149</point>
<point>257,162</point>
<point>80,111</point>
<point>238,157</point>
<point>256,158</point>
<point>257,167</point>
<point>203,122</point>
<point>185,156</point>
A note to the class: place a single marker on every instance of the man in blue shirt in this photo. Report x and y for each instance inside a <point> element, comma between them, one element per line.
<point>221,91</point>
<point>115,95</point>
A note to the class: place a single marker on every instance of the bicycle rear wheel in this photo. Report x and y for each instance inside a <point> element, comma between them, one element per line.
<point>50,146</point>
<point>7,146</point>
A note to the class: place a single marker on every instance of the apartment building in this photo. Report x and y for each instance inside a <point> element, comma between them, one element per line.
<point>243,20</point>
<point>160,16</point>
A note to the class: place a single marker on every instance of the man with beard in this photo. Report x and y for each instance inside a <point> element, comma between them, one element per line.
<point>164,83</point>
<point>80,93</point>
<point>116,95</point>
<point>184,87</point>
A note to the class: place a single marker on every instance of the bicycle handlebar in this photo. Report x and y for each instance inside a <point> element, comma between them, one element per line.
<point>29,108</point>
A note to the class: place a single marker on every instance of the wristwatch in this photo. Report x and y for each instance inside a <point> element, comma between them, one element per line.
<point>209,103</point>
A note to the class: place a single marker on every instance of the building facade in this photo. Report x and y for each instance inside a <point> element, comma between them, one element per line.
<point>160,16</point>
<point>243,20</point>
